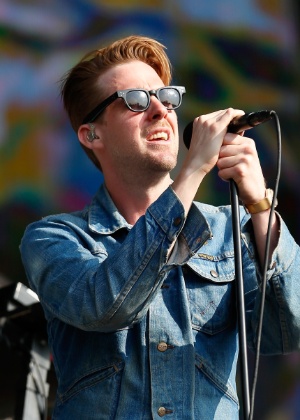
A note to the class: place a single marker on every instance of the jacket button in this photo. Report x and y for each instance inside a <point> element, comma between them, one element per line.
<point>162,346</point>
<point>162,411</point>
<point>214,273</point>
<point>177,221</point>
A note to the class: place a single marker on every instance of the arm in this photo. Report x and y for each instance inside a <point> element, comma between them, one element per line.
<point>281,326</point>
<point>260,225</point>
<point>236,158</point>
<point>208,135</point>
<point>95,281</point>
<point>93,287</point>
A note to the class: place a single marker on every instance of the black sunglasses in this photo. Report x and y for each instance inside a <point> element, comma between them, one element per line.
<point>138,100</point>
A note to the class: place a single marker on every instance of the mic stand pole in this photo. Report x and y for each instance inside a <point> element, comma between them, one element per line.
<point>240,297</point>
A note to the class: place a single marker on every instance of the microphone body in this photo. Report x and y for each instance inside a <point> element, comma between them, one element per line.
<point>246,121</point>
<point>237,125</point>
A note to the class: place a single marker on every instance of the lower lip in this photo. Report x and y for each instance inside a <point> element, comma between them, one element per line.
<point>161,140</point>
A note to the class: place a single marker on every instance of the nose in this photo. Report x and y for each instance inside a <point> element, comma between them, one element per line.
<point>156,109</point>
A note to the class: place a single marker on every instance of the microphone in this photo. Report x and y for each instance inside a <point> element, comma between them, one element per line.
<point>237,125</point>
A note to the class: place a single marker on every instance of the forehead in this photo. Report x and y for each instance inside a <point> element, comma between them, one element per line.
<point>132,74</point>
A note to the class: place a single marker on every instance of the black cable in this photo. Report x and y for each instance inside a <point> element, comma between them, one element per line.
<point>265,267</point>
<point>240,301</point>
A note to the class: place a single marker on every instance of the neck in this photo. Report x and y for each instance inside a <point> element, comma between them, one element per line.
<point>132,200</point>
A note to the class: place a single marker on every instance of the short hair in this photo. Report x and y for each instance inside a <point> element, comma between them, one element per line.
<point>80,87</point>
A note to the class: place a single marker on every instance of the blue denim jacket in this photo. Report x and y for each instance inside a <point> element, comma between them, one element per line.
<point>141,319</point>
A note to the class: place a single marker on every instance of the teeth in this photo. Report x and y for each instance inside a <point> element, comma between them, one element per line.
<point>161,135</point>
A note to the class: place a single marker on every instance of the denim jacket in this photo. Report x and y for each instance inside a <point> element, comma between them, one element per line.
<point>142,320</point>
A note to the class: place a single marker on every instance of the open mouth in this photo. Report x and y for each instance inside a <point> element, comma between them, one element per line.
<point>161,135</point>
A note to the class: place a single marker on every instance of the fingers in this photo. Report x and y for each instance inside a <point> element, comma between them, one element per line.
<point>208,136</point>
<point>223,117</point>
<point>237,150</point>
<point>234,144</point>
<point>235,155</point>
<point>238,160</point>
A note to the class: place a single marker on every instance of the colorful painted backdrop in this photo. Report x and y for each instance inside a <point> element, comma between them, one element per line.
<point>226,53</point>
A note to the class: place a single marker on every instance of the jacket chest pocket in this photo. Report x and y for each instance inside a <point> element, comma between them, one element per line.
<point>211,292</point>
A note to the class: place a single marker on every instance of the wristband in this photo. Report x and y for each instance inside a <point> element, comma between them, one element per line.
<point>263,204</point>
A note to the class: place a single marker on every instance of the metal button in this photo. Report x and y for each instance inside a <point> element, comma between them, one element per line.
<point>214,273</point>
<point>177,221</point>
<point>162,411</point>
<point>162,346</point>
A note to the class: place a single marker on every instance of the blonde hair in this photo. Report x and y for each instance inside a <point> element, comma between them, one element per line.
<point>80,86</point>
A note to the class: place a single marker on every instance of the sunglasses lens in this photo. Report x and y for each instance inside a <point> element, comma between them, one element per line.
<point>170,98</point>
<point>137,100</point>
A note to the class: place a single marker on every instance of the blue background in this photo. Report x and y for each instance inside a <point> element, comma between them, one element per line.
<point>225,52</point>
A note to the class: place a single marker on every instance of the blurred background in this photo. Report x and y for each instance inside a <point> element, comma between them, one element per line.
<point>225,52</point>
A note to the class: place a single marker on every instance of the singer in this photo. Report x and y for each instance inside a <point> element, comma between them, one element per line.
<point>138,287</point>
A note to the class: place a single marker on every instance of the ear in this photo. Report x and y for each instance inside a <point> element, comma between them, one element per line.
<point>87,135</point>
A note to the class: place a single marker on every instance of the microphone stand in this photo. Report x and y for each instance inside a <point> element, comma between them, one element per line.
<point>237,125</point>
<point>240,297</point>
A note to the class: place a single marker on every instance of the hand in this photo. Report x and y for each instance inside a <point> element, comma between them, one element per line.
<point>238,160</point>
<point>207,138</point>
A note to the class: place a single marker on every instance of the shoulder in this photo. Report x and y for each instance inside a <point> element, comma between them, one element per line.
<point>61,224</point>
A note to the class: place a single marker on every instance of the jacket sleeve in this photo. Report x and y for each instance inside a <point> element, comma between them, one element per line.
<point>281,316</point>
<point>81,282</point>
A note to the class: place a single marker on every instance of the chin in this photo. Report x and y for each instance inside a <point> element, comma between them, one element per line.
<point>165,165</point>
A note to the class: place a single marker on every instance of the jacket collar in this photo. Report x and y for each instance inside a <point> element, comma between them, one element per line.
<point>103,216</point>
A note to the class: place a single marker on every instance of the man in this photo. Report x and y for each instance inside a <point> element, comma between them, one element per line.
<point>138,288</point>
